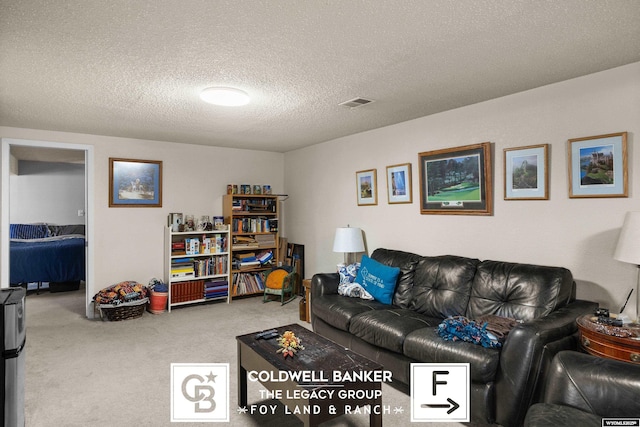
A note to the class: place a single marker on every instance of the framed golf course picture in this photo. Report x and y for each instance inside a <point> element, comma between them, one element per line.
<point>456,181</point>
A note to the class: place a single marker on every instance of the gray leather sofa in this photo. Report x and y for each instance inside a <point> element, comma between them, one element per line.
<point>581,390</point>
<point>504,381</point>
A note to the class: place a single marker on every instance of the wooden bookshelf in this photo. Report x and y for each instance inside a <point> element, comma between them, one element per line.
<point>254,233</point>
<point>199,272</point>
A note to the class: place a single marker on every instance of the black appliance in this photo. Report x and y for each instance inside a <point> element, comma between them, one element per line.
<point>12,372</point>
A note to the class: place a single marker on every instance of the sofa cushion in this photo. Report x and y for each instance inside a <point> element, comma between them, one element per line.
<point>426,346</point>
<point>442,285</point>
<point>407,263</point>
<point>520,291</point>
<point>387,328</point>
<point>378,279</point>
<point>338,310</point>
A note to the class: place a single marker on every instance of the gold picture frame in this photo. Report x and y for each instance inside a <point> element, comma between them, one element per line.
<point>367,187</point>
<point>598,166</point>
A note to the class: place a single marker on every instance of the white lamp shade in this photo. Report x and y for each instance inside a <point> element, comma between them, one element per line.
<point>348,239</point>
<point>628,249</point>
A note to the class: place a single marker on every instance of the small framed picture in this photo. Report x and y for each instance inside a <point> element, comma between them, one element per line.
<point>367,187</point>
<point>526,173</point>
<point>399,183</point>
<point>456,181</point>
<point>598,166</point>
<point>135,183</point>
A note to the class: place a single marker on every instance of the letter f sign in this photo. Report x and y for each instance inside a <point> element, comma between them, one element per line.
<point>435,379</point>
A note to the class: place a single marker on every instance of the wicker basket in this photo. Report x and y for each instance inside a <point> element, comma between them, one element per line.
<point>127,310</point>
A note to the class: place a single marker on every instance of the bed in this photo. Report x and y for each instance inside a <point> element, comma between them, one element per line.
<point>47,253</point>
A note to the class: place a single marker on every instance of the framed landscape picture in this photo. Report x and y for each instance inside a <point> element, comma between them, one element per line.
<point>456,181</point>
<point>399,183</point>
<point>526,173</point>
<point>367,187</point>
<point>135,183</point>
<point>598,166</point>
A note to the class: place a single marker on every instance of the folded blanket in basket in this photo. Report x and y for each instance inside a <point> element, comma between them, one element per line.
<point>127,291</point>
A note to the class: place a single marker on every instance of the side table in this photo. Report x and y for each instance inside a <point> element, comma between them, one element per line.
<point>611,342</point>
<point>307,295</point>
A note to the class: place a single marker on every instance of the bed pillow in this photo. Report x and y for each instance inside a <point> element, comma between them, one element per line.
<point>28,231</point>
<point>64,230</point>
<point>377,279</point>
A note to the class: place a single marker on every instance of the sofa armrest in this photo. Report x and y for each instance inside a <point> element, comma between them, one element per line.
<point>324,284</point>
<point>604,387</point>
<point>522,359</point>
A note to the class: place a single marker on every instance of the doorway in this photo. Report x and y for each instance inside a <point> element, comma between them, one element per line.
<point>10,146</point>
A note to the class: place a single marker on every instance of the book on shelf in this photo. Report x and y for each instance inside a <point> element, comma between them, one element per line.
<point>264,257</point>
<point>248,283</point>
<point>245,255</point>
<point>184,274</point>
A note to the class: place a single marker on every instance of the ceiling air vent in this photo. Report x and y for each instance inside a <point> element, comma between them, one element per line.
<point>356,102</point>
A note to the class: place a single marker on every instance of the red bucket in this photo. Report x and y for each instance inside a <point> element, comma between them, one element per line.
<point>158,302</point>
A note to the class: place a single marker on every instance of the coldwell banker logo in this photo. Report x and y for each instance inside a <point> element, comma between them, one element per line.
<point>200,392</point>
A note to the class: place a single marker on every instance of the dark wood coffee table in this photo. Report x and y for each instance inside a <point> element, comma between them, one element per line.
<point>328,384</point>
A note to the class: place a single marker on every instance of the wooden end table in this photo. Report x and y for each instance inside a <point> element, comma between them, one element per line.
<point>321,357</point>
<point>611,342</point>
<point>307,295</point>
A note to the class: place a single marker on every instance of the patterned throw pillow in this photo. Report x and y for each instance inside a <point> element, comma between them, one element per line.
<point>347,288</point>
<point>348,273</point>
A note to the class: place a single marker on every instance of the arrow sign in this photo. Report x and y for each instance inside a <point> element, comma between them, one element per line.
<point>452,404</point>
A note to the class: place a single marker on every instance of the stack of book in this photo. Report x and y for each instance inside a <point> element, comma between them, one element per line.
<point>264,257</point>
<point>244,242</point>
<point>216,288</point>
<point>177,248</point>
<point>182,267</point>
<point>266,240</point>
<point>247,260</point>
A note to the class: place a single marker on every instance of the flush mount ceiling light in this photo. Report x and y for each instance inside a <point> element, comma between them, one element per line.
<point>226,96</point>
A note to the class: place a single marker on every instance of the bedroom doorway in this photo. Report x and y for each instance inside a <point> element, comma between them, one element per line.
<point>14,150</point>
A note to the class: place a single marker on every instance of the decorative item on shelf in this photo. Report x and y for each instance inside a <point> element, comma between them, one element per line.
<point>348,240</point>
<point>628,250</point>
<point>218,223</point>
<point>289,344</point>
<point>175,221</point>
<point>204,223</point>
<point>189,223</point>
<point>266,189</point>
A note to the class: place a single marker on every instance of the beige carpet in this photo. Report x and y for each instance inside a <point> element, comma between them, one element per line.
<point>82,372</point>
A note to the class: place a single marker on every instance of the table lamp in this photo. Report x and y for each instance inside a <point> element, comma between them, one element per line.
<point>348,240</point>
<point>628,249</point>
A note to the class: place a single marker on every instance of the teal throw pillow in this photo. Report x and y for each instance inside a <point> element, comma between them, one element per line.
<point>377,279</point>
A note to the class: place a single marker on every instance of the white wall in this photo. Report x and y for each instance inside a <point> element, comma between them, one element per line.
<point>579,234</point>
<point>47,192</point>
<point>129,241</point>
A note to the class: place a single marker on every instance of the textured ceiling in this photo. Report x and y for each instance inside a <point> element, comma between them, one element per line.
<point>134,68</point>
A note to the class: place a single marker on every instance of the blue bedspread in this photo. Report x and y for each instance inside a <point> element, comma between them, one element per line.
<point>47,260</point>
